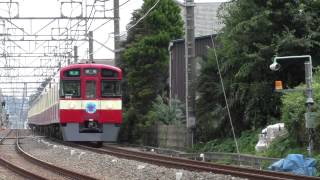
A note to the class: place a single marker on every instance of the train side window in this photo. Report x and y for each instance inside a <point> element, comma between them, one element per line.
<point>70,89</point>
<point>109,73</point>
<point>91,89</point>
<point>110,88</point>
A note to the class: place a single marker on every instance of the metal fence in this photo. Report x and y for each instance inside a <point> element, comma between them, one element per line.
<point>232,158</point>
<point>172,137</point>
<point>244,160</point>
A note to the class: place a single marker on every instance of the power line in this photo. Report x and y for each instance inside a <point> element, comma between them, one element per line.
<point>119,6</point>
<point>35,47</point>
<point>225,96</point>
<point>140,19</point>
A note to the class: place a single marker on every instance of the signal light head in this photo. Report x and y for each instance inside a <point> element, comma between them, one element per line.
<point>278,85</point>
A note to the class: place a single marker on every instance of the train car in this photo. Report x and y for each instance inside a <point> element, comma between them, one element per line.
<point>81,103</point>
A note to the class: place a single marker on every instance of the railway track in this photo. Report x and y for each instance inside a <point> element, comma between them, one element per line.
<point>181,163</point>
<point>5,136</point>
<point>34,166</point>
<point>15,168</point>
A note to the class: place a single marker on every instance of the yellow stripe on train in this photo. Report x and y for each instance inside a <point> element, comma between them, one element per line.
<point>100,104</point>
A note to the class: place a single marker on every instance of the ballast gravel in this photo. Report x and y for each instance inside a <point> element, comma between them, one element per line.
<point>104,166</point>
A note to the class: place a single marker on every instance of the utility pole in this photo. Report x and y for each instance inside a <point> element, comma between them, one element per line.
<point>90,46</point>
<point>190,70</point>
<point>310,123</point>
<point>309,115</point>
<point>75,53</point>
<point>116,32</point>
<point>21,120</point>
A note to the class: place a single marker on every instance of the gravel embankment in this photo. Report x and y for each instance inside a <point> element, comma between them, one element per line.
<point>108,167</point>
<point>8,153</point>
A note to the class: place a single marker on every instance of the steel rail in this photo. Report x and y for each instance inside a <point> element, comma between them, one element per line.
<point>65,172</point>
<point>5,136</point>
<point>195,165</point>
<point>17,169</point>
<point>267,174</point>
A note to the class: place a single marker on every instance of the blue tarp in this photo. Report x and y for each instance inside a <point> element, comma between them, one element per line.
<point>297,164</point>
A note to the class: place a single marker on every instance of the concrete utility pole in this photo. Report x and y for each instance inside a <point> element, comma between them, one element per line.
<point>116,32</point>
<point>190,70</point>
<point>90,46</point>
<point>21,120</point>
<point>75,54</point>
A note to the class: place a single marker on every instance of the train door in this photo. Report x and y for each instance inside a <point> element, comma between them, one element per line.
<point>91,89</point>
<point>91,105</point>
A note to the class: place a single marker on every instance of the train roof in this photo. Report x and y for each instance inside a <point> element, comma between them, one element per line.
<point>72,66</point>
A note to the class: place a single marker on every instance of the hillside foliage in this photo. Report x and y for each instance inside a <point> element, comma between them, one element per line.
<point>145,61</point>
<point>255,31</point>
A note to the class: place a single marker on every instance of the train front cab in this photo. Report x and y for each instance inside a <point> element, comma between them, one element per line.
<point>90,103</point>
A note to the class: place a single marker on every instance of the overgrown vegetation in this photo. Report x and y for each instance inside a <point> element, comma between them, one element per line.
<point>165,112</point>
<point>254,32</point>
<point>293,109</point>
<point>283,146</point>
<point>295,142</point>
<point>145,61</point>
<point>246,143</point>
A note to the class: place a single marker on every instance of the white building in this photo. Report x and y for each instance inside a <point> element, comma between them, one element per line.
<point>206,19</point>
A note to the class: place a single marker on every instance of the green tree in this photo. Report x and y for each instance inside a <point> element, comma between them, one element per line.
<point>254,32</point>
<point>293,109</point>
<point>166,113</point>
<point>145,59</point>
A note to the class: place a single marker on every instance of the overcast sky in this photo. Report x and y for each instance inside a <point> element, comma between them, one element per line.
<point>53,8</point>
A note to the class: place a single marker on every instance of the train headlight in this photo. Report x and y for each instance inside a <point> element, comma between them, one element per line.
<point>109,106</point>
<point>71,106</point>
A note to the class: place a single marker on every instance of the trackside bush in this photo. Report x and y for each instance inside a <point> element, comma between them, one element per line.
<point>293,109</point>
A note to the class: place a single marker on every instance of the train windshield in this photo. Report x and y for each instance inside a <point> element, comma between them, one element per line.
<point>70,89</point>
<point>110,88</point>
<point>90,89</point>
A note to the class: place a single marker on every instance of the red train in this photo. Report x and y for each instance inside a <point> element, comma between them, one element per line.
<point>82,103</point>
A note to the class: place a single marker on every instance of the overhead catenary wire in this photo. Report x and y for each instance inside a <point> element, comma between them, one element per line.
<point>109,19</point>
<point>86,29</point>
<point>69,21</point>
<point>101,46</point>
<point>12,24</point>
<point>119,6</point>
<point>225,97</point>
<point>77,24</point>
<point>90,15</point>
<point>140,19</point>
<point>74,34</point>
<point>13,43</point>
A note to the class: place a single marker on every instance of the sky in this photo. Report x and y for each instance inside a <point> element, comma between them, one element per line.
<point>51,8</point>
<point>102,29</point>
